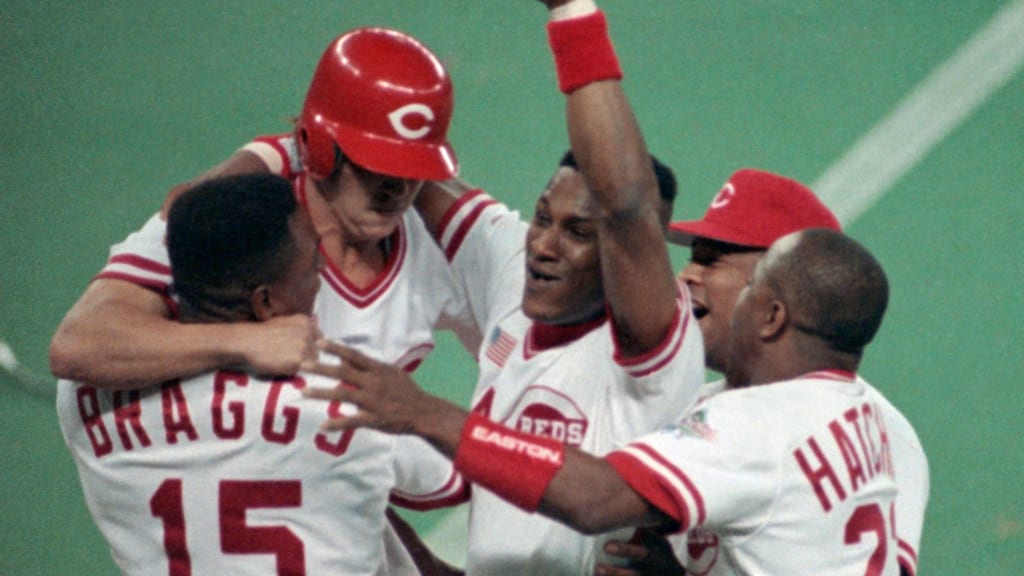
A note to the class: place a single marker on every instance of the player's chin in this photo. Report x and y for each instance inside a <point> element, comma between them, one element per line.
<point>378,226</point>
<point>540,307</point>
<point>557,307</point>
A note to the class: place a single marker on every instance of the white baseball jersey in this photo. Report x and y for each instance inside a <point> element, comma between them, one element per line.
<point>227,473</point>
<point>569,384</point>
<point>392,319</point>
<point>795,477</point>
<point>912,478</point>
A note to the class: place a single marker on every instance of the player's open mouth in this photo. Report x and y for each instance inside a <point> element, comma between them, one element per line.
<point>699,311</point>
<point>539,276</point>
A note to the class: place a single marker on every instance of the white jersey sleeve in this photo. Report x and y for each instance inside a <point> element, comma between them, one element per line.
<point>424,478</point>
<point>280,153</point>
<point>485,243</point>
<point>719,467</point>
<point>913,478</point>
<point>142,257</point>
<point>786,478</point>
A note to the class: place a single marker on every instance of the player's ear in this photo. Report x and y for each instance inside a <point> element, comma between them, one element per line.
<point>774,319</point>
<point>261,302</point>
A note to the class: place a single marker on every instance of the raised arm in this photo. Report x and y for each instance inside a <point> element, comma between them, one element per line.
<point>609,148</point>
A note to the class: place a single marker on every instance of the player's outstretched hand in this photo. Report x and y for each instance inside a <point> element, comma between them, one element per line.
<point>387,397</point>
<point>647,553</point>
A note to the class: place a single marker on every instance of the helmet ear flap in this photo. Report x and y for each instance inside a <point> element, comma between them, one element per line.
<point>317,150</point>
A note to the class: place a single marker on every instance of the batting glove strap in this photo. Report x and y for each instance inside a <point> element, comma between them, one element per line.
<point>514,465</point>
<point>583,51</point>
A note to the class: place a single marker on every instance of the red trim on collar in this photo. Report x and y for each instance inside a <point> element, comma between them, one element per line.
<point>542,337</point>
<point>832,374</point>
<point>336,279</point>
<point>363,297</point>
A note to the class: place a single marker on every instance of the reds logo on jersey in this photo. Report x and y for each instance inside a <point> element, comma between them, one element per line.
<point>549,413</point>
<point>701,551</point>
<point>412,121</point>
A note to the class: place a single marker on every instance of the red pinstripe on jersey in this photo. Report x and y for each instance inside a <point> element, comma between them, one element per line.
<point>907,557</point>
<point>137,270</point>
<point>654,360</point>
<point>454,492</point>
<point>661,483</point>
<point>460,218</point>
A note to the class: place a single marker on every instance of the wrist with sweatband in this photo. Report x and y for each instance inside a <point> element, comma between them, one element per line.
<point>583,51</point>
<point>573,9</point>
<point>515,465</point>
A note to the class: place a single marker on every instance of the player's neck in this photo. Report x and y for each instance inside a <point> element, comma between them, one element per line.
<point>781,367</point>
<point>210,312</point>
<point>362,262</point>
<point>359,261</point>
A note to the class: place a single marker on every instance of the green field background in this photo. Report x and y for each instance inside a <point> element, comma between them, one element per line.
<point>105,105</point>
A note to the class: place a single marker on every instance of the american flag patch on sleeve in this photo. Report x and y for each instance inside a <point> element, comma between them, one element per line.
<point>499,346</point>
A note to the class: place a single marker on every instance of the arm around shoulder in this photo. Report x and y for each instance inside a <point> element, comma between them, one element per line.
<point>121,336</point>
<point>436,198</point>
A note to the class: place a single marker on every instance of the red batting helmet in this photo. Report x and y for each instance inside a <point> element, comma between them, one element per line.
<point>385,100</point>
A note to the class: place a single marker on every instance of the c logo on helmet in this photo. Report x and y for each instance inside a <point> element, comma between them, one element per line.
<point>724,195</point>
<point>398,120</point>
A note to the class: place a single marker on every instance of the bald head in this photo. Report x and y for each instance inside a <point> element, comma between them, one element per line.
<point>816,299</point>
<point>833,287</point>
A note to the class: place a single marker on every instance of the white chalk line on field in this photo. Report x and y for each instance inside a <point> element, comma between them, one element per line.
<point>949,95</point>
<point>869,168</point>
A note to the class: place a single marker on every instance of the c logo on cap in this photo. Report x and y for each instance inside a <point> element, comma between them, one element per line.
<point>724,195</point>
<point>398,119</point>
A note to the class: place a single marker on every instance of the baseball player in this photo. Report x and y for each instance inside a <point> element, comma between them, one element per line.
<point>372,128</point>
<point>585,343</point>
<point>790,470</point>
<point>228,472</point>
<point>753,209</point>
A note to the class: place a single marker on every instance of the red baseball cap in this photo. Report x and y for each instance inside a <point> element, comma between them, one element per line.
<point>755,208</point>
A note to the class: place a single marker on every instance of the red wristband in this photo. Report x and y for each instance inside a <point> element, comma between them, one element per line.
<point>514,465</point>
<point>583,51</point>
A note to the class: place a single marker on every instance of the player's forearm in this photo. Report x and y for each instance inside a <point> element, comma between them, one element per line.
<point>588,495</point>
<point>603,132</point>
<point>440,423</point>
<point>543,475</point>
<point>119,339</point>
<point>613,159</point>
<point>436,198</point>
<point>127,356</point>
